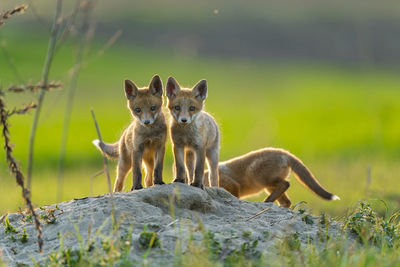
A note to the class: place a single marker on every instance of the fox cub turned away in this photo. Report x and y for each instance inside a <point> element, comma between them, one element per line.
<point>144,139</point>
<point>194,134</point>
<point>266,169</point>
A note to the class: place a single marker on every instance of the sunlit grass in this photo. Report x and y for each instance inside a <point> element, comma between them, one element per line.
<point>338,120</point>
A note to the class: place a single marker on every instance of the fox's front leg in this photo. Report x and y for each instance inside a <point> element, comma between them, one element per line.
<point>159,163</point>
<point>137,169</point>
<point>179,157</point>
<point>199,169</point>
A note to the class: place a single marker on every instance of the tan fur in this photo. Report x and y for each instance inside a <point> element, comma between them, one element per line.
<point>194,134</point>
<point>143,142</point>
<point>266,169</point>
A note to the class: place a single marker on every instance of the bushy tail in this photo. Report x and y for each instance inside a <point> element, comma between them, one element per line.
<point>110,150</point>
<point>306,178</point>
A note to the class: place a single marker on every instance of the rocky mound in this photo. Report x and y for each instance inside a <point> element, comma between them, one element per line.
<point>173,211</point>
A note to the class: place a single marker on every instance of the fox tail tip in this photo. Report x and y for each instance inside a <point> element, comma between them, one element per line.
<point>96,143</point>
<point>335,197</point>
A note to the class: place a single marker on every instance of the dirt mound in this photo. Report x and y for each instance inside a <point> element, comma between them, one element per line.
<point>174,211</point>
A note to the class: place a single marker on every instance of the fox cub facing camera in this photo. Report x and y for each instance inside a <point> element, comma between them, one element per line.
<point>194,134</point>
<point>144,139</point>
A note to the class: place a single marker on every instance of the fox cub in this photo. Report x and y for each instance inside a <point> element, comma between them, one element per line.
<point>144,139</point>
<point>266,169</point>
<point>194,134</point>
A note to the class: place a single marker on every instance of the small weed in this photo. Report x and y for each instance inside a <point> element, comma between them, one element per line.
<point>370,228</point>
<point>106,245</point>
<point>246,234</point>
<point>23,237</point>
<point>292,242</point>
<point>48,217</point>
<point>266,234</point>
<point>308,219</point>
<point>149,240</point>
<point>71,257</point>
<point>28,218</point>
<point>9,228</point>
<point>212,244</point>
<point>13,239</point>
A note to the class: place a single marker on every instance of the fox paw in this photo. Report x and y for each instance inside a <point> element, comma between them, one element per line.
<point>177,180</point>
<point>199,185</point>
<point>159,183</point>
<point>137,187</point>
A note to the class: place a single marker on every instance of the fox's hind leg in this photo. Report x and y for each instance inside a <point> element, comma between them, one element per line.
<point>124,165</point>
<point>189,162</point>
<point>212,163</point>
<point>230,185</point>
<point>277,190</point>
<point>284,201</point>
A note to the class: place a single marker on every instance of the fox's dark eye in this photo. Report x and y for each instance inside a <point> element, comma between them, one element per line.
<point>177,108</point>
<point>153,108</point>
<point>138,110</point>
<point>192,108</point>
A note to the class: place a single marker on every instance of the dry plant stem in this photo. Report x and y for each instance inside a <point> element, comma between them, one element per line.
<point>45,78</point>
<point>105,169</point>
<point>34,88</point>
<point>12,164</point>
<point>21,111</point>
<point>17,10</point>
<point>84,39</point>
<point>69,24</point>
<point>258,214</point>
<point>110,42</point>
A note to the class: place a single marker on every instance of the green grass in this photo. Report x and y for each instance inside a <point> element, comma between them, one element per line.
<point>338,120</point>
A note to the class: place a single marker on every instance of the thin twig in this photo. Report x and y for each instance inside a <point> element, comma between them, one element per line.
<point>110,42</point>
<point>92,178</point>
<point>17,10</point>
<point>298,204</point>
<point>368,181</point>
<point>113,39</point>
<point>98,173</point>
<point>40,19</point>
<point>84,38</point>
<point>168,225</point>
<point>15,170</point>
<point>68,25</point>
<point>23,110</point>
<point>34,88</point>
<point>105,168</point>
<point>45,78</point>
<point>258,214</point>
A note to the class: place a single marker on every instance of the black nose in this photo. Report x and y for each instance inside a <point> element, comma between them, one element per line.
<point>184,120</point>
<point>146,122</point>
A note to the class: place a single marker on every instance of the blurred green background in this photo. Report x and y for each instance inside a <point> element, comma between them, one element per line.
<point>316,78</point>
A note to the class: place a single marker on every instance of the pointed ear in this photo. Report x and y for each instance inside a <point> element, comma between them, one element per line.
<point>131,89</point>
<point>200,89</point>
<point>172,87</point>
<point>155,86</point>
